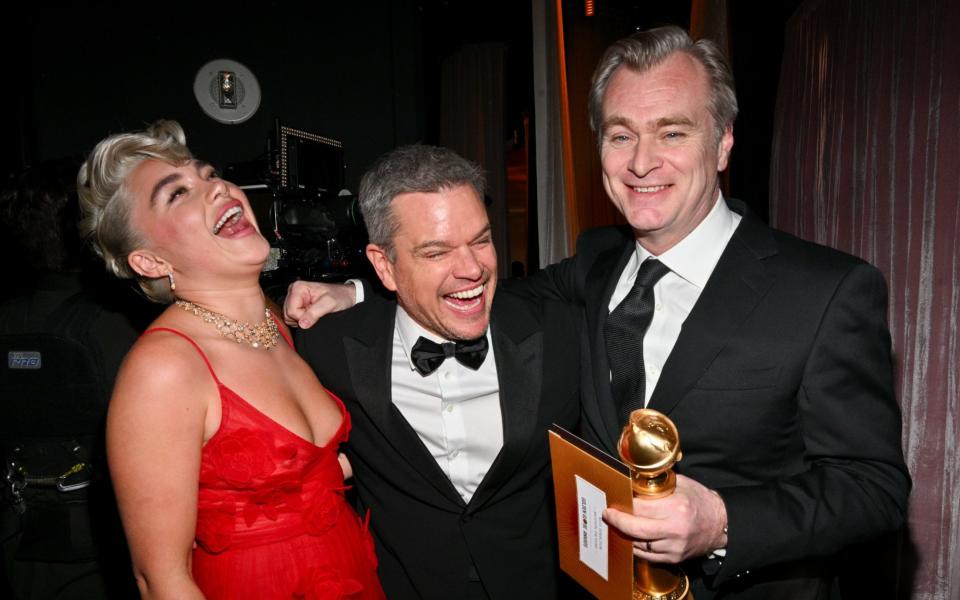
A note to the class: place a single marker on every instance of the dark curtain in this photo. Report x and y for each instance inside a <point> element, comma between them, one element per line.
<point>866,158</point>
<point>472,123</point>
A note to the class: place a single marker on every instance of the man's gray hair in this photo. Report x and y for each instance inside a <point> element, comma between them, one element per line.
<point>415,168</point>
<point>646,49</point>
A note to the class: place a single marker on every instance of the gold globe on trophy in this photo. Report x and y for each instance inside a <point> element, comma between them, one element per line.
<point>650,446</point>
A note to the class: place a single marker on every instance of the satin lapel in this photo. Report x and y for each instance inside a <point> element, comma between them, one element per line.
<point>518,349</point>
<point>600,284</point>
<point>369,356</point>
<point>738,283</point>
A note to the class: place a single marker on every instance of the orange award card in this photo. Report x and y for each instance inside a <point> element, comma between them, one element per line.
<point>586,480</point>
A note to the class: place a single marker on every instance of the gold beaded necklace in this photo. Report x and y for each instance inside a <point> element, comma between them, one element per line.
<point>264,334</point>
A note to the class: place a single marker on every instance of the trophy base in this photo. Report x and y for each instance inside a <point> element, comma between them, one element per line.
<point>681,592</point>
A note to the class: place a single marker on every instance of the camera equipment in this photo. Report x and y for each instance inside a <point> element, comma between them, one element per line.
<point>313,225</point>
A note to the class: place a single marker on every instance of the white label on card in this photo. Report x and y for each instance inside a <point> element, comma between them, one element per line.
<point>592,530</point>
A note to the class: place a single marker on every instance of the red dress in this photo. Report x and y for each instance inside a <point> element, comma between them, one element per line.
<point>272,521</point>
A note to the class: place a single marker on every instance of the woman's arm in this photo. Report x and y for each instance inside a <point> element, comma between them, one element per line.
<point>155,432</point>
<point>345,466</point>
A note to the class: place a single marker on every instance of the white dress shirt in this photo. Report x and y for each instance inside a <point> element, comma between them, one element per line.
<point>455,410</point>
<point>691,263</point>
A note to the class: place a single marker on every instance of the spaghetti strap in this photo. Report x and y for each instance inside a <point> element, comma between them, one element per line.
<point>195,345</point>
<point>282,329</point>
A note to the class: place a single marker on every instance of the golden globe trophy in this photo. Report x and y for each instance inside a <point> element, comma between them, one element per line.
<point>650,445</point>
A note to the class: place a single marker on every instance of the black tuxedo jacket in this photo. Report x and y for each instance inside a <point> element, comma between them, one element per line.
<point>780,385</point>
<point>430,543</point>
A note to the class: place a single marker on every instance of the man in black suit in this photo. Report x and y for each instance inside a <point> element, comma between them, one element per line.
<point>771,354</point>
<point>449,456</point>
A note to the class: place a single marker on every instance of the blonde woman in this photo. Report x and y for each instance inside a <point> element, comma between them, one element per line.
<point>222,444</point>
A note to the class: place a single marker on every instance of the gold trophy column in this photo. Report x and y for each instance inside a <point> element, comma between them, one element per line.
<point>650,445</point>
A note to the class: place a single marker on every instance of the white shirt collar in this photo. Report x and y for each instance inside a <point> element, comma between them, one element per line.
<point>694,257</point>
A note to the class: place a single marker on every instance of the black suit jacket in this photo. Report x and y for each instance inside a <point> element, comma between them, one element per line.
<point>430,543</point>
<point>780,384</point>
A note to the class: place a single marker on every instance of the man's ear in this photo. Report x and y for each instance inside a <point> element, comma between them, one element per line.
<point>382,264</point>
<point>723,152</point>
<point>148,264</point>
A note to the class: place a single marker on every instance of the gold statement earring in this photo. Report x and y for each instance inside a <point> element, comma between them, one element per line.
<point>173,284</point>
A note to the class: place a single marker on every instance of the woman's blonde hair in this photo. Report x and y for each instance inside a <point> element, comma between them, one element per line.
<point>105,201</point>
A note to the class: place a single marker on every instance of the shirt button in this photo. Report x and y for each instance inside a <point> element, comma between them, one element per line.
<point>658,307</point>
<point>454,454</point>
<point>449,407</point>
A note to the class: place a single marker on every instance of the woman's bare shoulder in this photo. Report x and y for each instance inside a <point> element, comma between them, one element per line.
<point>162,364</point>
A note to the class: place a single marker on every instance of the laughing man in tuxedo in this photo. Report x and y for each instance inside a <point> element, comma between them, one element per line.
<point>449,391</point>
<point>771,354</point>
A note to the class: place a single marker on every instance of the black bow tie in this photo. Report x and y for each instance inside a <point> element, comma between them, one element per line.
<point>428,356</point>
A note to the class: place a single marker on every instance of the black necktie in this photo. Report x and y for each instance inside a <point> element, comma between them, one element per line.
<point>428,356</point>
<point>624,331</point>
